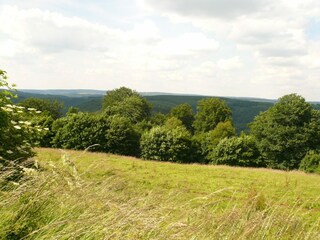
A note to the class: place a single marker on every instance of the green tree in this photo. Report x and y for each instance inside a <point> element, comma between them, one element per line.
<point>206,142</point>
<point>72,110</point>
<point>184,113</point>
<point>158,119</point>
<point>311,162</point>
<point>166,144</point>
<point>80,131</point>
<point>48,107</point>
<point>122,138</point>
<point>127,103</point>
<point>236,151</point>
<point>210,112</point>
<point>286,132</point>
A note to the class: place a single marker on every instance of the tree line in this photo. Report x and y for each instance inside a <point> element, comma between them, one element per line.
<point>286,136</point>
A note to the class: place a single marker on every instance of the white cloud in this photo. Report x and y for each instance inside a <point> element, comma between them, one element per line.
<point>230,63</point>
<point>232,47</point>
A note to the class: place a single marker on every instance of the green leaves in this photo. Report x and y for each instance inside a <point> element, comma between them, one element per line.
<point>17,134</point>
<point>285,132</point>
<point>166,144</point>
<point>210,112</point>
<point>236,151</point>
<point>126,103</point>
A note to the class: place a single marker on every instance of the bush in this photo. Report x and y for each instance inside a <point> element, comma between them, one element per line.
<point>207,142</point>
<point>236,151</point>
<point>121,137</point>
<point>164,144</point>
<point>113,134</point>
<point>80,131</point>
<point>311,162</point>
<point>17,135</point>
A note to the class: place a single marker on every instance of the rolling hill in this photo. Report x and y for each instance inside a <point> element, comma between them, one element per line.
<point>244,109</point>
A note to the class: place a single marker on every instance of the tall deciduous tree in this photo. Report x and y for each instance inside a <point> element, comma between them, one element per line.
<point>287,131</point>
<point>185,114</point>
<point>127,103</point>
<point>210,112</point>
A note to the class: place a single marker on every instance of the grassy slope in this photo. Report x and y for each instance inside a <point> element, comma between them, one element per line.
<point>97,196</point>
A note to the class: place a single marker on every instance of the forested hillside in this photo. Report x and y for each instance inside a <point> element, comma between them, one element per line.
<point>243,110</point>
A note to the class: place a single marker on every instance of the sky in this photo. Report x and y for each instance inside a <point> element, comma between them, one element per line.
<point>244,48</point>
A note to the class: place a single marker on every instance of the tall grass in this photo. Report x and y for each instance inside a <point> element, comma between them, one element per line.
<point>70,199</point>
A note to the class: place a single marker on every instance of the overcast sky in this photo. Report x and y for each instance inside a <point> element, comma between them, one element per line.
<point>251,48</point>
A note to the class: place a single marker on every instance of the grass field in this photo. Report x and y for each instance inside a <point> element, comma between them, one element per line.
<point>78,195</point>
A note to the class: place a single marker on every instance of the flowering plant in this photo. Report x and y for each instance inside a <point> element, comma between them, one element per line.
<point>17,134</point>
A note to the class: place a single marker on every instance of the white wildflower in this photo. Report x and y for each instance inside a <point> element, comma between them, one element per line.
<point>17,127</point>
<point>13,122</point>
<point>32,109</point>
<point>9,152</point>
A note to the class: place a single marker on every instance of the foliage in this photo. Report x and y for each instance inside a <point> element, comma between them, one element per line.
<point>46,122</point>
<point>158,119</point>
<point>127,103</point>
<point>166,144</point>
<point>206,142</point>
<point>287,131</point>
<point>121,137</point>
<point>221,131</point>
<point>311,162</point>
<point>17,135</point>
<point>236,151</point>
<point>72,110</point>
<point>210,112</point>
<point>80,131</point>
<point>184,113</point>
<point>48,107</point>
<point>173,123</point>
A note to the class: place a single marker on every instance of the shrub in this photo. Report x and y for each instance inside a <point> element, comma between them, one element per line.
<point>80,131</point>
<point>311,162</point>
<point>236,151</point>
<point>207,142</point>
<point>164,144</point>
<point>17,135</point>
<point>121,137</point>
<point>113,134</point>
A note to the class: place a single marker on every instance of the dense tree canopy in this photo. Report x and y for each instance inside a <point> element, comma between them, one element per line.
<point>121,137</point>
<point>210,112</point>
<point>48,107</point>
<point>80,131</point>
<point>236,151</point>
<point>287,131</point>
<point>127,103</point>
<point>167,144</point>
<point>184,113</point>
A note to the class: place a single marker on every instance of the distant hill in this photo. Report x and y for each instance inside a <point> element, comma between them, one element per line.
<point>66,92</point>
<point>244,109</point>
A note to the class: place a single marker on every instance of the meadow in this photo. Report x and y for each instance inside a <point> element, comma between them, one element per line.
<point>83,195</point>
